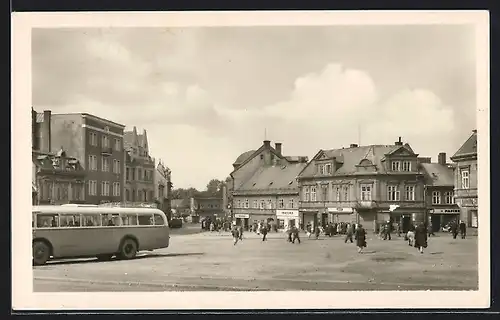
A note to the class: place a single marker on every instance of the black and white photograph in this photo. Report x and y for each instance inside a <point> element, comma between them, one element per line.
<point>251,160</point>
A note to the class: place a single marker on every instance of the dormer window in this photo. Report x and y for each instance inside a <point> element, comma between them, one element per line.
<point>407,166</point>
<point>396,165</point>
<point>328,168</point>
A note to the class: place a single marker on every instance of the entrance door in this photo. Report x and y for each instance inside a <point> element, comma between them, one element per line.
<point>406,223</point>
<point>324,219</point>
<point>436,223</point>
<point>245,222</point>
<point>291,223</point>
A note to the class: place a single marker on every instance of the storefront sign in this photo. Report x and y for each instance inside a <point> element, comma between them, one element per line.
<point>444,211</point>
<point>340,210</point>
<point>287,213</point>
<point>241,216</point>
<point>309,210</point>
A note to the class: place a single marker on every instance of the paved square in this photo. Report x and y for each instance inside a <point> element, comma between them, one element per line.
<point>210,261</point>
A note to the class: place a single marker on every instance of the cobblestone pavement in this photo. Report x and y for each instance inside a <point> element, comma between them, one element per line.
<point>210,261</point>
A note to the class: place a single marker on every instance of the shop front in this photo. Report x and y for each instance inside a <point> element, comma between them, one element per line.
<point>241,219</point>
<point>309,216</point>
<point>469,212</point>
<point>443,216</point>
<point>338,215</point>
<point>287,218</point>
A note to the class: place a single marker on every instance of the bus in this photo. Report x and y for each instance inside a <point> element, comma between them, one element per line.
<point>81,231</point>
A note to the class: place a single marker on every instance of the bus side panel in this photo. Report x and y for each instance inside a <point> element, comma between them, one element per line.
<point>151,238</point>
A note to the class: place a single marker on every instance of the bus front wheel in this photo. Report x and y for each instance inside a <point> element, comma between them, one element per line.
<point>128,249</point>
<point>41,253</point>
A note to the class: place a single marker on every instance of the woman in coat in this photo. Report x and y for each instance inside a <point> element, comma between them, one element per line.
<point>421,237</point>
<point>360,236</point>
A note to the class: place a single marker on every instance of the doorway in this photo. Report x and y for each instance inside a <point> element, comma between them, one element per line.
<point>436,223</point>
<point>324,219</point>
<point>405,223</point>
<point>291,223</point>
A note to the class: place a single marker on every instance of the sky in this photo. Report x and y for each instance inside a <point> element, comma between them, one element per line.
<point>206,95</point>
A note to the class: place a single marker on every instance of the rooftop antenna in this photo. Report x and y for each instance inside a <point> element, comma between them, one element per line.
<point>265,133</point>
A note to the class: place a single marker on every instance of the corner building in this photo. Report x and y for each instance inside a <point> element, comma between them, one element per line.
<point>363,184</point>
<point>264,186</point>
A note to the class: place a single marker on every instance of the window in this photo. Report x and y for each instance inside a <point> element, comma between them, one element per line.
<point>346,193</point>
<point>105,188</point>
<point>281,204</point>
<point>105,141</point>
<point>47,220</point>
<point>465,179</point>
<point>324,192</point>
<point>262,204</point>
<point>116,166</point>
<point>159,221</point>
<point>306,194</point>
<point>91,220</point>
<point>393,193</point>
<point>73,220</point>
<point>410,193</point>
<point>127,174</point>
<point>127,195</point>
<point>247,204</point>
<point>313,193</point>
<point>436,197</point>
<point>291,204</point>
<point>129,219</point>
<point>105,164</point>
<point>139,174</point>
<point>366,192</point>
<point>110,220</point>
<point>255,204</point>
<point>92,187</point>
<point>116,189</point>
<point>93,138</point>
<point>328,168</point>
<point>238,204</point>
<point>396,165</point>
<point>93,162</point>
<point>321,169</point>
<point>118,145</point>
<point>448,197</point>
<point>269,204</point>
<point>337,193</point>
<point>406,165</point>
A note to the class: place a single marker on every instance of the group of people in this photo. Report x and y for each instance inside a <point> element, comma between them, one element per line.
<point>210,224</point>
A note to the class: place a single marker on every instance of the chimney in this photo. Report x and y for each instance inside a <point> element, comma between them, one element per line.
<point>442,158</point>
<point>474,131</point>
<point>278,147</point>
<point>45,128</point>
<point>399,142</point>
<point>353,145</point>
<point>267,143</point>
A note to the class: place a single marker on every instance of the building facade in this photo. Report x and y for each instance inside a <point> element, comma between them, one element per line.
<point>439,197</point>
<point>97,144</point>
<point>139,168</point>
<point>206,207</point>
<point>363,184</point>
<point>465,180</point>
<point>264,187</point>
<point>163,187</point>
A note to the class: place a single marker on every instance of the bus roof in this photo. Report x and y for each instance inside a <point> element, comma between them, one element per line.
<point>93,210</point>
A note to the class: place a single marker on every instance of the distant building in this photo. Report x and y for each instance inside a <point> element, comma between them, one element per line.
<point>139,168</point>
<point>206,207</point>
<point>439,196</point>
<point>465,180</point>
<point>95,142</point>
<point>264,186</point>
<point>180,207</point>
<point>363,184</point>
<point>163,187</point>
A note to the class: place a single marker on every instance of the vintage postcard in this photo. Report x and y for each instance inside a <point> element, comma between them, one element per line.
<point>251,160</point>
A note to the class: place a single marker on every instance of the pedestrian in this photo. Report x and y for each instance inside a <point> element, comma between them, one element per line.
<point>420,238</point>
<point>264,230</point>
<point>240,232</point>
<point>454,229</point>
<point>463,229</point>
<point>349,233</point>
<point>360,237</point>
<point>387,231</point>
<point>430,232</point>
<point>308,229</point>
<point>317,231</point>
<point>295,234</point>
<point>289,233</point>
<point>398,230</point>
<point>236,234</point>
<point>410,235</point>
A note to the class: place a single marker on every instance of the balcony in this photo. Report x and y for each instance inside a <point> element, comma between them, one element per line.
<point>106,151</point>
<point>366,204</point>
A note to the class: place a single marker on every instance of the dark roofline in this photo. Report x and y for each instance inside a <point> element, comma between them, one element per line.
<point>84,114</point>
<point>308,163</point>
<point>253,156</point>
<point>458,155</point>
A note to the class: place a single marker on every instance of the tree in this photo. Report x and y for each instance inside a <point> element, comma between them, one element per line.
<point>214,187</point>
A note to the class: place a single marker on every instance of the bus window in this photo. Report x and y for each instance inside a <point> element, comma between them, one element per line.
<point>70,220</point>
<point>159,220</point>
<point>91,220</point>
<point>47,220</point>
<point>110,220</point>
<point>129,219</point>
<point>145,220</point>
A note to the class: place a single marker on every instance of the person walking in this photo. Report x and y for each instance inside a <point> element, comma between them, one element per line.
<point>387,231</point>
<point>463,229</point>
<point>236,234</point>
<point>264,230</point>
<point>420,238</point>
<point>289,233</point>
<point>295,234</point>
<point>317,231</point>
<point>454,229</point>
<point>360,236</point>
<point>410,235</point>
<point>430,232</point>
<point>240,232</point>
<point>349,233</point>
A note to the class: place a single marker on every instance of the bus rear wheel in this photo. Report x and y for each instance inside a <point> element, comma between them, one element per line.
<point>41,253</point>
<point>104,257</point>
<point>128,249</point>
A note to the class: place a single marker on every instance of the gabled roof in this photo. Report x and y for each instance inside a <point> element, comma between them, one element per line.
<point>274,177</point>
<point>438,175</point>
<point>243,157</point>
<point>271,149</point>
<point>469,147</point>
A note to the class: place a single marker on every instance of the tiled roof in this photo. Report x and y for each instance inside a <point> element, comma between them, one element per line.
<point>469,147</point>
<point>438,175</point>
<point>349,158</point>
<point>274,177</point>
<point>242,157</point>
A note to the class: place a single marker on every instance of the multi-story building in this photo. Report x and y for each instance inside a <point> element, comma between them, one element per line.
<point>207,207</point>
<point>264,186</point>
<point>96,143</point>
<point>58,177</point>
<point>163,187</point>
<point>139,168</point>
<point>439,199</point>
<point>465,180</point>
<point>363,184</point>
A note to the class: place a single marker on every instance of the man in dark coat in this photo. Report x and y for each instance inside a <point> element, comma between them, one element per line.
<point>387,231</point>
<point>264,230</point>
<point>360,236</point>
<point>454,229</point>
<point>421,237</point>
<point>236,234</point>
<point>295,234</point>
<point>349,234</point>
<point>463,229</point>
